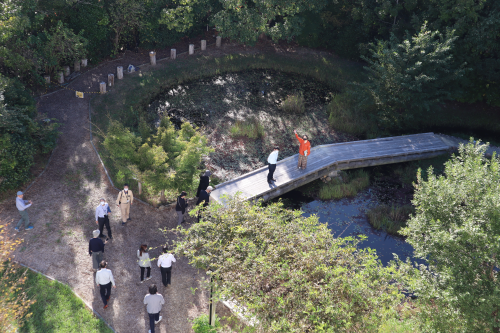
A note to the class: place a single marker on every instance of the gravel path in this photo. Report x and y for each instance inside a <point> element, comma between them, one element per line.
<point>64,200</point>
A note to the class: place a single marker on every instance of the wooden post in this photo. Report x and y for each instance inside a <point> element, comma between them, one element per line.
<point>191,48</point>
<point>76,66</point>
<point>111,80</point>
<point>102,87</point>
<point>84,62</point>
<point>173,53</point>
<point>67,71</point>
<point>152,57</point>
<point>119,72</point>
<point>218,41</point>
<point>203,44</point>
<point>61,77</point>
<point>47,78</point>
<point>140,187</point>
<point>162,196</point>
<point>211,305</point>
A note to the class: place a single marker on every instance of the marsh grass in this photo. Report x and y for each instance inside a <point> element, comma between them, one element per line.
<point>347,186</point>
<point>251,128</point>
<point>294,104</point>
<point>390,218</point>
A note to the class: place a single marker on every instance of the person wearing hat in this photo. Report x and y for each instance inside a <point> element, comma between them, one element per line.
<point>204,182</point>
<point>104,279</point>
<point>272,159</point>
<point>181,206</point>
<point>124,201</point>
<point>22,205</point>
<point>101,217</point>
<point>304,150</point>
<point>96,249</point>
<point>204,196</point>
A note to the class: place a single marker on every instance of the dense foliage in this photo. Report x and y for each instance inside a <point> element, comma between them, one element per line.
<point>407,79</point>
<point>23,134</point>
<point>288,271</point>
<point>456,230</point>
<point>168,159</point>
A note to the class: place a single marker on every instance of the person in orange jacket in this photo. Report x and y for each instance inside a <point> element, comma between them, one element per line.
<point>304,150</point>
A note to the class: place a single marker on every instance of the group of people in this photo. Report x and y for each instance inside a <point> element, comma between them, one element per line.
<point>104,277</point>
<point>304,152</point>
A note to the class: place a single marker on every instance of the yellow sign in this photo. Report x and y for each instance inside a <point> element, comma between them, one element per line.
<point>79,94</point>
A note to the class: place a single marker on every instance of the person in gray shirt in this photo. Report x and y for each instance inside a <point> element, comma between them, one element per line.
<point>153,302</point>
<point>22,205</point>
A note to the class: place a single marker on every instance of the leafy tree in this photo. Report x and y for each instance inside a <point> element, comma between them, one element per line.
<point>408,78</point>
<point>456,230</point>
<point>62,47</point>
<point>168,159</point>
<point>289,272</point>
<point>124,16</point>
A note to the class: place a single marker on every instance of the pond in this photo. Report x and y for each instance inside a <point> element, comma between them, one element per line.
<point>216,103</point>
<point>347,217</point>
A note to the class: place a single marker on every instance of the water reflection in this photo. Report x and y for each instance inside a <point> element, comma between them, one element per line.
<point>347,217</point>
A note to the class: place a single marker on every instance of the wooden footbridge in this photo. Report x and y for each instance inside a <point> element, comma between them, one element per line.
<point>328,160</point>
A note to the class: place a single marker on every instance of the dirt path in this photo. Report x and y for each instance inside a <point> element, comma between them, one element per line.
<point>64,201</point>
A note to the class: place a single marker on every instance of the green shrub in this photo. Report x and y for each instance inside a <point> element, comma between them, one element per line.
<point>249,128</point>
<point>294,103</point>
<point>346,117</point>
<point>348,186</point>
<point>390,218</point>
<point>201,325</point>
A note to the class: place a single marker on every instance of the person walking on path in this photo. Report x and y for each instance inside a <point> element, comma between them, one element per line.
<point>104,279</point>
<point>101,218</point>
<point>304,150</point>
<point>22,205</point>
<point>144,262</point>
<point>204,182</point>
<point>204,196</point>
<point>96,249</point>
<point>181,206</point>
<point>153,302</point>
<point>165,263</point>
<point>124,200</point>
<point>272,159</point>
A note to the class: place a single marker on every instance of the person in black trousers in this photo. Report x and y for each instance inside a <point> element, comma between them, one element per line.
<point>165,263</point>
<point>101,218</point>
<point>204,196</point>
<point>204,182</point>
<point>181,206</point>
<point>272,159</point>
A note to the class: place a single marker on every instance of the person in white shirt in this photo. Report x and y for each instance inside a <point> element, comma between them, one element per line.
<point>153,302</point>
<point>144,262</point>
<point>165,263</point>
<point>272,159</point>
<point>22,205</point>
<point>104,279</point>
<point>101,217</point>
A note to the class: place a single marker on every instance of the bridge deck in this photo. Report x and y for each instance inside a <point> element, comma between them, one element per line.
<point>332,157</point>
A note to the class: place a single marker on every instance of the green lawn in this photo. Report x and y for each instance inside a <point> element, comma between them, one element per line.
<point>57,309</point>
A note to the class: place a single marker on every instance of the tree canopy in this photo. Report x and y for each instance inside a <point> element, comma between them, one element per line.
<point>456,230</point>
<point>288,271</point>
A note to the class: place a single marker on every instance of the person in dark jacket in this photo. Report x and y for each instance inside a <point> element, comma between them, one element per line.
<point>96,249</point>
<point>204,182</point>
<point>204,196</point>
<point>181,206</point>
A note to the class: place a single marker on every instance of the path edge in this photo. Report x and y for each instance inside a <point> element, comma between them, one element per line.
<point>74,293</point>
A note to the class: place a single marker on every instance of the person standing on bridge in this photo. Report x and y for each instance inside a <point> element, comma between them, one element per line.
<point>272,159</point>
<point>304,150</point>
<point>124,201</point>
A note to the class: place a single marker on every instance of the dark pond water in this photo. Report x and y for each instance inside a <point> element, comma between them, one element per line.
<point>347,217</point>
